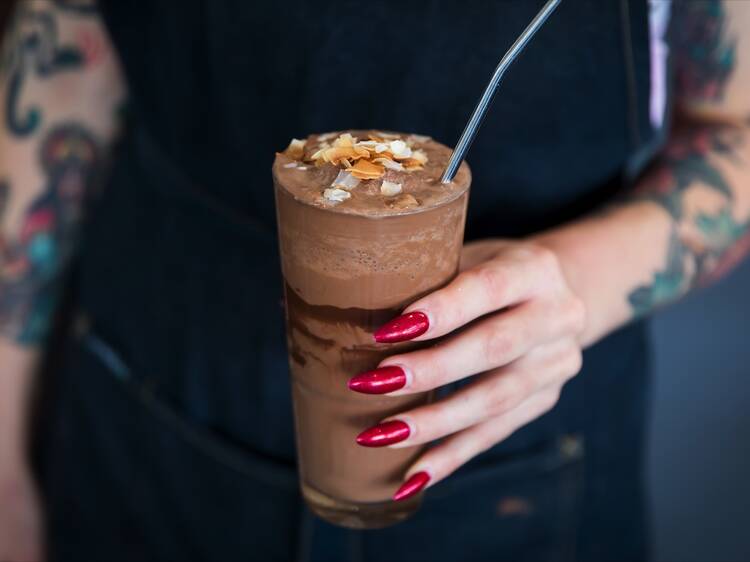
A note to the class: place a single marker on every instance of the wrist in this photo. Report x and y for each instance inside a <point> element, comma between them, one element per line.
<point>13,440</point>
<point>13,458</point>
<point>604,256</point>
<point>17,367</point>
<point>562,243</point>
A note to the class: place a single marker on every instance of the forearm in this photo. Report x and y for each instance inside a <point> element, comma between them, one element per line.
<point>686,222</point>
<point>17,365</point>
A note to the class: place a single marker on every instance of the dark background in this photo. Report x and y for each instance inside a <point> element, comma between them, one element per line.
<point>699,457</point>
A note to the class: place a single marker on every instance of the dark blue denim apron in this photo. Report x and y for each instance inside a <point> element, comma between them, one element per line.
<point>171,435</point>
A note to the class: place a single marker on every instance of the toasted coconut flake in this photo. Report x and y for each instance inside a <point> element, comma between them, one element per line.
<point>327,136</point>
<point>389,164</point>
<point>290,165</point>
<point>389,188</point>
<point>296,149</point>
<point>302,167</point>
<point>365,170</point>
<point>345,140</point>
<point>398,146</point>
<point>345,180</point>
<point>361,151</point>
<point>418,139</point>
<point>404,201</point>
<point>318,155</point>
<point>412,164</point>
<point>336,195</point>
<point>366,167</point>
<point>399,149</point>
<point>420,156</point>
<point>368,159</point>
<point>338,153</point>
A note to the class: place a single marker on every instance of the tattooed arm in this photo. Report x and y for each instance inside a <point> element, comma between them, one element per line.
<point>60,88</point>
<point>687,222</point>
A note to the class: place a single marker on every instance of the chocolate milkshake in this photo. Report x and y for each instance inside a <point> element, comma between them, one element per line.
<point>365,228</point>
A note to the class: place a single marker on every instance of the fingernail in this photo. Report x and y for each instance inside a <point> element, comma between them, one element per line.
<point>386,433</point>
<point>404,328</point>
<point>413,485</point>
<point>379,381</point>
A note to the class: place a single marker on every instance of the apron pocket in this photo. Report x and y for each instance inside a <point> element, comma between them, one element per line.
<point>128,479</point>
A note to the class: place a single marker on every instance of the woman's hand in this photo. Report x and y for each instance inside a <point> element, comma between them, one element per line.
<point>512,323</point>
<point>21,534</point>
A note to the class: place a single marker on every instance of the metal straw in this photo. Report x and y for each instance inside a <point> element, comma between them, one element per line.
<point>467,137</point>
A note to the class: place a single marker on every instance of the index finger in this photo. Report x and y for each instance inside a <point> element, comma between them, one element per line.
<point>506,280</point>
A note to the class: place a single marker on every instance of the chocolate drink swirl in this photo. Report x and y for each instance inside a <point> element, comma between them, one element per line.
<point>350,266</point>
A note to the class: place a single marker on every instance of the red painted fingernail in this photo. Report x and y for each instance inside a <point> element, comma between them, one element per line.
<point>386,433</point>
<point>404,328</point>
<point>414,484</point>
<point>379,381</point>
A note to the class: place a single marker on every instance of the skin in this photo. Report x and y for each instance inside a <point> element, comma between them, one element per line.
<point>20,517</point>
<point>60,89</point>
<point>543,300</point>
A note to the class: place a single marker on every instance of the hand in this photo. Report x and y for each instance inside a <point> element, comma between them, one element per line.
<point>21,534</point>
<point>519,325</point>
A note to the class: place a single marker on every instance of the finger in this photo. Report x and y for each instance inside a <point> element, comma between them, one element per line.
<point>493,393</point>
<point>479,251</point>
<point>492,342</point>
<point>444,459</point>
<point>513,277</point>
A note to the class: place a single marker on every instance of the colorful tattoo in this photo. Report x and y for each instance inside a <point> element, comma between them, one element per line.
<point>32,47</point>
<point>684,163</point>
<point>31,263</point>
<point>705,55</point>
<point>703,245</point>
